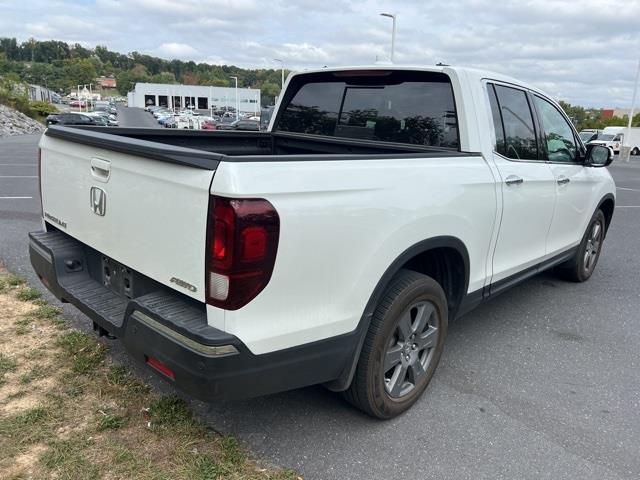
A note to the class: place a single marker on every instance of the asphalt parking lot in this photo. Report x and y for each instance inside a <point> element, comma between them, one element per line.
<point>542,382</point>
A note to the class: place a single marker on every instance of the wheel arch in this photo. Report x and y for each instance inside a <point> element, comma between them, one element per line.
<point>411,258</point>
<point>607,205</point>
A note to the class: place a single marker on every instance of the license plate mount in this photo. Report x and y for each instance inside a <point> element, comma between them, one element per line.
<point>117,277</point>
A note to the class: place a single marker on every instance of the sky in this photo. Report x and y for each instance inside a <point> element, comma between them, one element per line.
<point>585,52</point>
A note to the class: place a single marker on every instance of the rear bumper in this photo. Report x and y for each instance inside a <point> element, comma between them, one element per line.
<point>165,325</point>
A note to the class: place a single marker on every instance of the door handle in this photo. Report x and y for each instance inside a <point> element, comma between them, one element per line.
<point>563,180</point>
<point>513,180</point>
<point>100,169</point>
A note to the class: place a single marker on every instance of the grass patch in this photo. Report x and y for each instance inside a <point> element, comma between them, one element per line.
<point>107,421</point>
<point>170,411</point>
<point>10,281</point>
<point>87,418</point>
<point>231,452</point>
<point>86,353</point>
<point>203,467</point>
<point>23,326</point>
<point>49,313</point>
<point>28,294</point>
<point>67,460</point>
<point>24,428</point>
<point>7,364</point>
<point>35,373</point>
<point>123,384</point>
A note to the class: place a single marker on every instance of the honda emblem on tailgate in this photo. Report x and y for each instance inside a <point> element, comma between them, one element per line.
<point>98,201</point>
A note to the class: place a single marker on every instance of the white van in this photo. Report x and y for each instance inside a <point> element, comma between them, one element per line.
<point>612,138</point>
<point>632,139</point>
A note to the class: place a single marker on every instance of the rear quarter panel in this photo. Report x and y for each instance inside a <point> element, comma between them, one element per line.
<point>342,225</point>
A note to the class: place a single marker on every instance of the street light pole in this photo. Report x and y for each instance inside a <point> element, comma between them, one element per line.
<point>392,16</point>
<point>631,112</point>
<point>236,79</point>
<point>281,72</point>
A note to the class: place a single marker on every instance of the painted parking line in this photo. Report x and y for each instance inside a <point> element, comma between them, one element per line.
<point>628,189</point>
<point>14,198</point>
<point>18,164</point>
<point>18,176</point>
<point>628,206</point>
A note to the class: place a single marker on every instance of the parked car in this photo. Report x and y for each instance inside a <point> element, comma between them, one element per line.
<point>209,125</point>
<point>103,118</point>
<point>99,120</point>
<point>166,117</point>
<point>241,125</point>
<point>77,103</point>
<point>589,135</point>
<point>334,248</point>
<point>162,111</point>
<point>71,118</point>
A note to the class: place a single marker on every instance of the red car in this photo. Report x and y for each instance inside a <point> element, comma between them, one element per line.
<point>209,125</point>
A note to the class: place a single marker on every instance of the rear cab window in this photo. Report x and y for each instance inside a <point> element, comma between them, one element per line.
<point>513,123</point>
<point>416,108</point>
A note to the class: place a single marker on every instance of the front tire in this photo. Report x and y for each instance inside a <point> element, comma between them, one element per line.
<point>402,348</point>
<point>581,267</point>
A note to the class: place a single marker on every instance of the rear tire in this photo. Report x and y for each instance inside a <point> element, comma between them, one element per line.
<point>581,267</point>
<point>402,348</point>
<point>635,151</point>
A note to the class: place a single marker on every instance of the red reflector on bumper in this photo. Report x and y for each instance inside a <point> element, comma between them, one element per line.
<point>161,367</point>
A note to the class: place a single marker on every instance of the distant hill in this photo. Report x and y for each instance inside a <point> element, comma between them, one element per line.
<point>62,67</point>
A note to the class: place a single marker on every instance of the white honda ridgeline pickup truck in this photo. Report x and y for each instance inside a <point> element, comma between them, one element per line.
<point>382,203</point>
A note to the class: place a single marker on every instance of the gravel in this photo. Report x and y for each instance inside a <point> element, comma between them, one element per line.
<point>13,122</point>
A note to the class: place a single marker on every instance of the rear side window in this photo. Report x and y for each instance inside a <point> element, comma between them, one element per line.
<point>399,107</point>
<point>519,132</point>
<point>500,146</point>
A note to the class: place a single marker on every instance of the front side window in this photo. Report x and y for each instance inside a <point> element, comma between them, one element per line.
<point>558,135</point>
<point>400,107</point>
<point>519,131</point>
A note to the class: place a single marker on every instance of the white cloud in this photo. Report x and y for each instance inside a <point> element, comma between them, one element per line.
<point>583,51</point>
<point>176,50</point>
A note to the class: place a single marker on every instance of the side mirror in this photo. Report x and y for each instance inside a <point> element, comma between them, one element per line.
<point>598,156</point>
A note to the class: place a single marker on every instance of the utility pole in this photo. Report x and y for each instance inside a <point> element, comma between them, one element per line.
<point>392,16</point>
<point>210,103</point>
<point>236,79</point>
<point>631,112</point>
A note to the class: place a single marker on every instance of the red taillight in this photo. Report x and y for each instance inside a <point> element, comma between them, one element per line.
<point>242,244</point>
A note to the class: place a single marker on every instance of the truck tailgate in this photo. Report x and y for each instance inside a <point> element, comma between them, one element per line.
<point>147,214</point>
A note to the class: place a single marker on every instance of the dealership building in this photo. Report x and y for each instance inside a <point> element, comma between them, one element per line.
<point>199,97</point>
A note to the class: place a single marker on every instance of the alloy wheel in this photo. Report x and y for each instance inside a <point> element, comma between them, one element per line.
<point>592,248</point>
<point>410,349</point>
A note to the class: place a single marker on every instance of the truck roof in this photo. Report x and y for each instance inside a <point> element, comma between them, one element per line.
<point>470,73</point>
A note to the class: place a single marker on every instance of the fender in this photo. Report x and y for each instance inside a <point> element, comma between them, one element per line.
<point>344,380</point>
